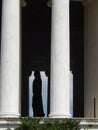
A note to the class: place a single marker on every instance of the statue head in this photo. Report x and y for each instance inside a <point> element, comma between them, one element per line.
<point>37,73</point>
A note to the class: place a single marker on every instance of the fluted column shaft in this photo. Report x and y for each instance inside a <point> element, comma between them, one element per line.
<point>60,76</point>
<point>10,59</point>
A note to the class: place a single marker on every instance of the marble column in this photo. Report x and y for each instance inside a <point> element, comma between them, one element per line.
<point>60,74</point>
<point>10,59</point>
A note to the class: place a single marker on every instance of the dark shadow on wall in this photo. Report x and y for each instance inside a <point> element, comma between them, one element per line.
<point>77,56</point>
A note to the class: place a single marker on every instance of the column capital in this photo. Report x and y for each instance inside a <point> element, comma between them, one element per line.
<point>23,3</point>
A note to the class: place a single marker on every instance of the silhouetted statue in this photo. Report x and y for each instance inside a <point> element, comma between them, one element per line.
<point>37,96</point>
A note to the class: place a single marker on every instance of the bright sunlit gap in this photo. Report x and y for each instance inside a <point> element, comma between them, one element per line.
<point>44,92</point>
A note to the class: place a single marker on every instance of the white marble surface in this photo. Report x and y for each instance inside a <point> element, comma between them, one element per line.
<point>10,59</point>
<point>60,76</point>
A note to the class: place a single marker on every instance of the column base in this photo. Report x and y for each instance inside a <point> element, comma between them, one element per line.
<point>59,115</point>
<point>9,115</point>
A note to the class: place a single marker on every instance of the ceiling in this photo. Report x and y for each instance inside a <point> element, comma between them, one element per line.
<point>36,15</point>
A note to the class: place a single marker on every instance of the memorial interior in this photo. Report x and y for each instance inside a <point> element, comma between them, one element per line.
<point>36,48</point>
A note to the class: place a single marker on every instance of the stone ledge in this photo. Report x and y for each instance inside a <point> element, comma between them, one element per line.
<point>10,121</point>
<point>85,123</point>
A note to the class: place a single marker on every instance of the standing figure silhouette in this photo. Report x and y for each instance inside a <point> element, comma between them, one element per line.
<point>37,96</point>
